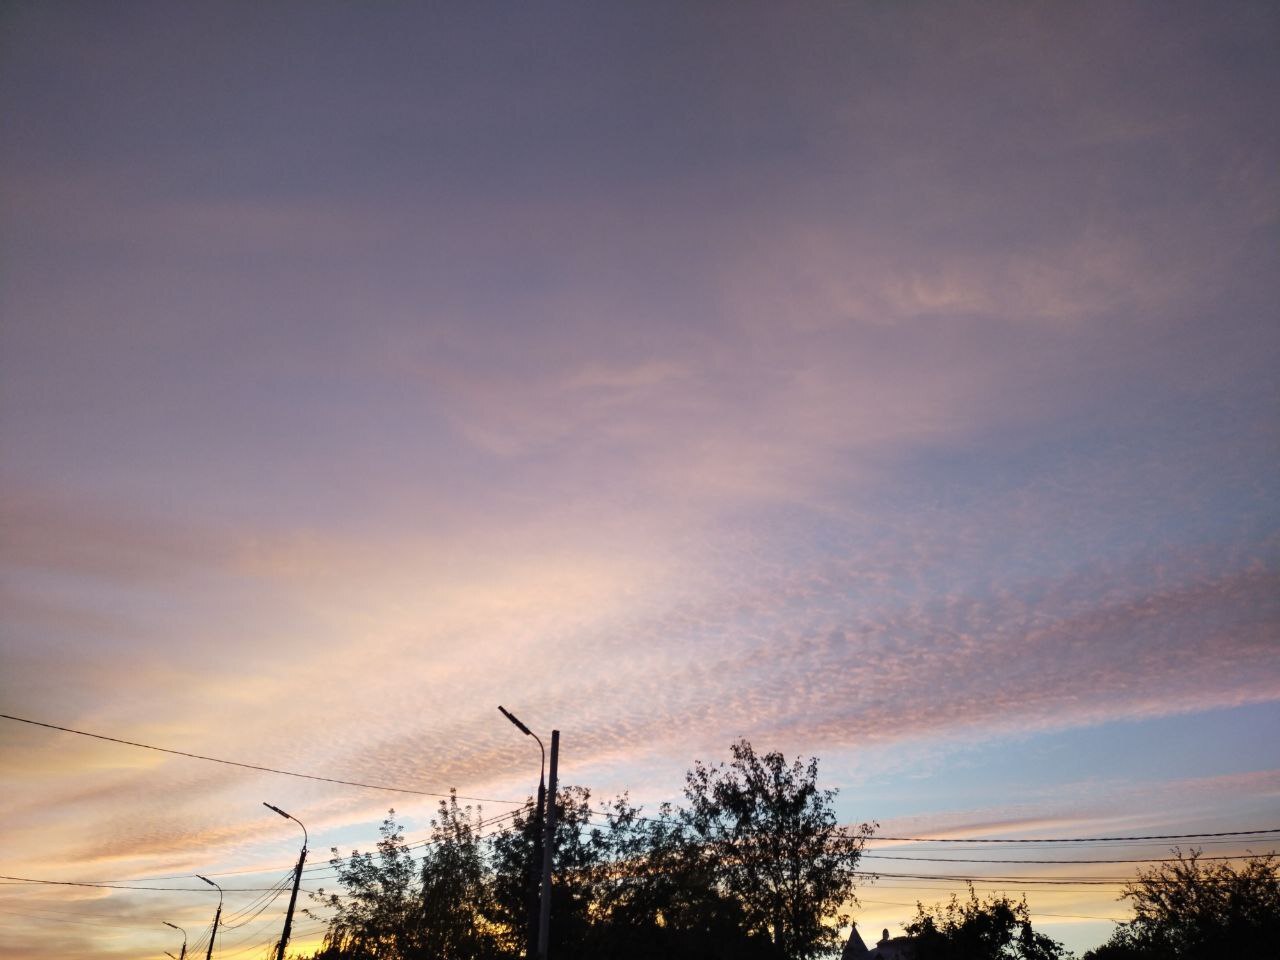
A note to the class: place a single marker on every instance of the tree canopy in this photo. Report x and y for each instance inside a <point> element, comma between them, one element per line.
<point>1189,909</point>
<point>777,847</point>
<point>754,867</point>
<point>997,928</point>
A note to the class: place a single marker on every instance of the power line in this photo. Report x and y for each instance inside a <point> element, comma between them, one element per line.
<point>254,766</point>
<point>1034,913</point>
<point>327,865</point>
<point>242,916</point>
<point>1166,836</point>
<point>126,885</point>
<point>1138,844</point>
<point>263,891</point>
<point>1045,840</point>
<point>520,803</point>
<point>1053,881</point>
<point>884,856</point>
<point>123,886</point>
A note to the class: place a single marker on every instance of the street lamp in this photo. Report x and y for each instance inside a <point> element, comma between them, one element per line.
<point>297,877</point>
<point>529,733</point>
<point>547,824</point>
<point>535,862</point>
<point>216,917</point>
<point>184,938</point>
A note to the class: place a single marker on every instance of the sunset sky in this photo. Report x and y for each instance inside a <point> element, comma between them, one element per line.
<point>889,383</point>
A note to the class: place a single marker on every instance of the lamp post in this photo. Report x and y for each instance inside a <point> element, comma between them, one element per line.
<point>547,825</point>
<point>535,861</point>
<point>548,850</point>
<point>184,938</point>
<point>216,917</point>
<point>297,878</point>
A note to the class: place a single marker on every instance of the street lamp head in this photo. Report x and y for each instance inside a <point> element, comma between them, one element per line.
<point>175,926</point>
<point>289,816</point>
<point>208,881</point>
<point>512,717</point>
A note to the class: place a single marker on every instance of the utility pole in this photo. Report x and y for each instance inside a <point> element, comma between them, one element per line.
<point>535,869</point>
<point>216,917</point>
<point>544,915</point>
<point>184,939</point>
<point>297,878</point>
<point>293,898</point>
<point>535,861</point>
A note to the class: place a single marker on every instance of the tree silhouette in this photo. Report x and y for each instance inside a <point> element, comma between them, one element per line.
<point>1187,910</point>
<point>775,846</point>
<point>994,929</point>
<point>457,902</point>
<point>658,895</point>
<point>374,917</point>
<point>756,867</point>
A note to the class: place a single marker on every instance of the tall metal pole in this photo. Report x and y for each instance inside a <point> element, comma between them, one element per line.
<point>548,848</point>
<point>216,917</point>
<point>184,938</point>
<point>535,861</point>
<point>297,878</point>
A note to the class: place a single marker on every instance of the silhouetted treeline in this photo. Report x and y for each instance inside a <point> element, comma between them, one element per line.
<point>1192,910</point>
<point>997,928</point>
<point>753,867</point>
<point>1183,910</point>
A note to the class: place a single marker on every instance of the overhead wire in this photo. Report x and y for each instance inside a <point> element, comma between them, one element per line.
<point>255,766</point>
<point>520,803</point>
<point>1032,913</point>
<point>1052,881</point>
<point>264,891</point>
<point>122,886</point>
<point>1162,836</point>
<point>1064,845</point>
<point>268,895</point>
<point>884,856</point>
<point>258,903</point>
<point>1207,837</point>
<point>327,865</point>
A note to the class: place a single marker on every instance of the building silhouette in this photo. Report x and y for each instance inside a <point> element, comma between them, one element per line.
<point>887,948</point>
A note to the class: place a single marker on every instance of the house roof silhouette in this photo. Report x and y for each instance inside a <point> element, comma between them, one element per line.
<point>886,948</point>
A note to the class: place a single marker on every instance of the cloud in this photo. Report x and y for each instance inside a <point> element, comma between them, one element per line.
<point>903,386</point>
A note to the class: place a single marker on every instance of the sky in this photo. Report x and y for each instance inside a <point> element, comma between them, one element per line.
<point>889,383</point>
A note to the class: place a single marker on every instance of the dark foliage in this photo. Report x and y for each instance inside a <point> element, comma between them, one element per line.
<point>374,915</point>
<point>1189,910</point>
<point>755,868</point>
<point>776,847</point>
<point>994,929</point>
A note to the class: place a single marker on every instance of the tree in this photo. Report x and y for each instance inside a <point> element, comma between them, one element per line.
<point>774,846</point>
<point>1188,910</point>
<point>755,868</point>
<point>658,897</point>
<point>456,921</point>
<point>995,929</point>
<point>580,857</point>
<point>374,917</point>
